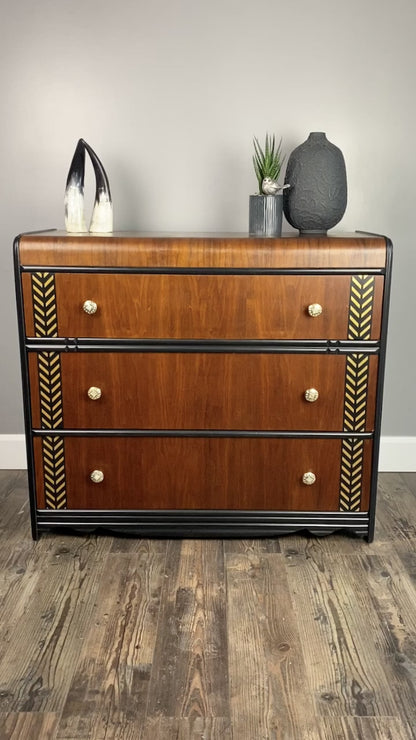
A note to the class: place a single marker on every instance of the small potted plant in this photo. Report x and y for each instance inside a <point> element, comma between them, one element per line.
<point>266,206</point>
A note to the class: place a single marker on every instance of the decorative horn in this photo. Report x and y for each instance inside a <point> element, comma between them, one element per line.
<point>74,193</point>
<point>102,215</point>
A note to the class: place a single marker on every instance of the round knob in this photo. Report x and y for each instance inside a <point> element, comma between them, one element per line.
<point>311,395</point>
<point>309,478</point>
<point>314,310</point>
<point>90,307</point>
<point>94,393</point>
<point>97,476</point>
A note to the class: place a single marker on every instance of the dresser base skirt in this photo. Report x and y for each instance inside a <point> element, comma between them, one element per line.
<point>205,524</point>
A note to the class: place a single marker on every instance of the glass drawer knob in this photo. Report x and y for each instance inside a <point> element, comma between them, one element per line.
<point>314,310</point>
<point>309,478</point>
<point>90,307</point>
<point>311,395</point>
<point>94,393</point>
<point>97,476</point>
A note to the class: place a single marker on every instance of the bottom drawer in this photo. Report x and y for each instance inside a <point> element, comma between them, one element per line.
<point>204,473</point>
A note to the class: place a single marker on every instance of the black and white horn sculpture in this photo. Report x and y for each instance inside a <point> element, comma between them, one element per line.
<point>102,215</point>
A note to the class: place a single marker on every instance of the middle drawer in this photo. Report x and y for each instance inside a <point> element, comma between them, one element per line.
<point>228,391</point>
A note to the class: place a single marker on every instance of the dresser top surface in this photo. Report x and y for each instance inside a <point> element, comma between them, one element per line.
<point>208,250</point>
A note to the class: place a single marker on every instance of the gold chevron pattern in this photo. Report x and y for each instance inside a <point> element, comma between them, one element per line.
<point>351,474</point>
<point>54,472</point>
<point>44,304</point>
<point>50,390</point>
<point>355,394</point>
<point>361,307</point>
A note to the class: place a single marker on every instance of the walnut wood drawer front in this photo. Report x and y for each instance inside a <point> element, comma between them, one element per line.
<point>101,390</point>
<point>203,306</point>
<point>200,473</point>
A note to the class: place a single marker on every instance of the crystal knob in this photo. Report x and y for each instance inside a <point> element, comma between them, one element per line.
<point>94,393</point>
<point>90,307</point>
<point>309,478</point>
<point>311,395</point>
<point>314,310</point>
<point>97,476</point>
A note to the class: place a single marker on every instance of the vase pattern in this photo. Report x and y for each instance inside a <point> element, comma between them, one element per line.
<point>317,197</point>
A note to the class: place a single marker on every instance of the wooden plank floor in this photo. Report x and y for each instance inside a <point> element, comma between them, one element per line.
<point>295,638</point>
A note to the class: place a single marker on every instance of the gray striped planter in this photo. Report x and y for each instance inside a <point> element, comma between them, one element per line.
<point>265,215</point>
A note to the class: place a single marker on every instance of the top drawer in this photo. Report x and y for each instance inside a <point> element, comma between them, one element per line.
<point>203,306</point>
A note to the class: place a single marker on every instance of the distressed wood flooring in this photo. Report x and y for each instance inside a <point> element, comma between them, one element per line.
<point>295,638</point>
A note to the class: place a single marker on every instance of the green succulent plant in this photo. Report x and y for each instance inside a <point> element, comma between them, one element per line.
<point>268,161</point>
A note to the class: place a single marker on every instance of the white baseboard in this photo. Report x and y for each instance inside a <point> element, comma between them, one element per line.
<point>12,452</point>
<point>397,454</point>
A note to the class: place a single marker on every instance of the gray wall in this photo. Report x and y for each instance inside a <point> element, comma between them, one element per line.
<point>170,94</point>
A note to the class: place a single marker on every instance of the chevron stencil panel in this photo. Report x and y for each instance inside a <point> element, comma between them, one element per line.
<point>351,474</point>
<point>361,307</point>
<point>54,472</point>
<point>44,304</point>
<point>355,393</point>
<point>50,390</point>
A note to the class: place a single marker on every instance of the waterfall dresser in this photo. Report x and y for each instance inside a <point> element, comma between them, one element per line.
<point>202,385</point>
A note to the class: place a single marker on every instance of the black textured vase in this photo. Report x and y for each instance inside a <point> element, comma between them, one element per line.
<point>317,197</point>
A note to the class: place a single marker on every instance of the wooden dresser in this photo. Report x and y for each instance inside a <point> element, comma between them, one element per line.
<point>204,385</point>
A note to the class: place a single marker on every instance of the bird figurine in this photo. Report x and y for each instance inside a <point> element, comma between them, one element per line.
<point>271,187</point>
